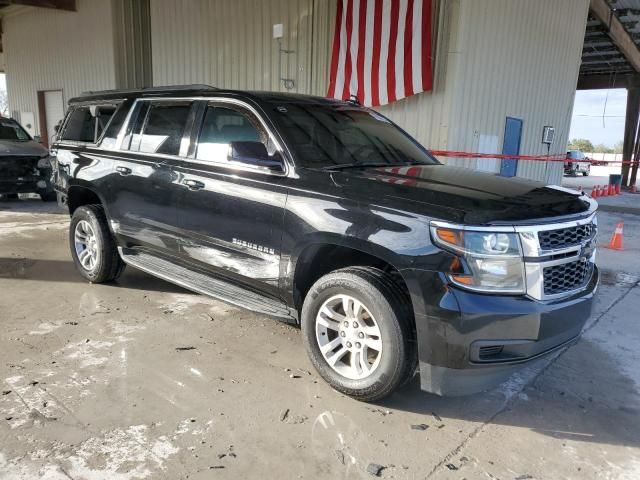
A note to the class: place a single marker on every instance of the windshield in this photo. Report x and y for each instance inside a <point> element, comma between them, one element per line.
<point>10,130</point>
<point>330,136</point>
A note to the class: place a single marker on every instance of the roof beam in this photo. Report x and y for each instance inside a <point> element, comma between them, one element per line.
<point>619,35</point>
<point>68,5</point>
<point>607,80</point>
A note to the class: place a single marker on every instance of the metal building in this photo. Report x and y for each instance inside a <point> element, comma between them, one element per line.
<point>503,69</point>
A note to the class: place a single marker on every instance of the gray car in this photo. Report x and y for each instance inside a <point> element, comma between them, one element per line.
<point>576,162</point>
<point>25,165</point>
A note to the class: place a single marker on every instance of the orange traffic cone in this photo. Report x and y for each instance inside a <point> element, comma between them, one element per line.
<point>610,190</point>
<point>594,192</point>
<point>618,187</point>
<point>616,240</point>
<point>603,192</point>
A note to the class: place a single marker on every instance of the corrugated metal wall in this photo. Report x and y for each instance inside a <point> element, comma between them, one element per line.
<point>494,58</point>
<point>49,50</point>
<point>516,58</point>
<point>230,44</point>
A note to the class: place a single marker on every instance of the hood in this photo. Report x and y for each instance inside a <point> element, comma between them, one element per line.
<point>462,195</point>
<point>14,148</point>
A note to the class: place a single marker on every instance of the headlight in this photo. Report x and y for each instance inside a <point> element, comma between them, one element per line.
<point>490,261</point>
<point>44,162</point>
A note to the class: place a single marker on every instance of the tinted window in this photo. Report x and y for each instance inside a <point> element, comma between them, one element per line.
<point>163,129</point>
<point>223,125</point>
<point>113,129</point>
<point>80,126</point>
<point>325,135</point>
<point>10,130</point>
<point>86,124</point>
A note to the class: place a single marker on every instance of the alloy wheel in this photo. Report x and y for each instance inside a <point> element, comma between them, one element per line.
<point>349,337</point>
<point>86,245</point>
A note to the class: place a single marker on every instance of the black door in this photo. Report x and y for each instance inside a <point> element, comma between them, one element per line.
<point>231,214</point>
<point>145,189</point>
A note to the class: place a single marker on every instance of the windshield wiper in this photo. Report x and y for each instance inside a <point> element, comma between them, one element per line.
<point>369,164</point>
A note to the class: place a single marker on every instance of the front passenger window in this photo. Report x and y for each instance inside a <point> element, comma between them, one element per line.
<point>222,126</point>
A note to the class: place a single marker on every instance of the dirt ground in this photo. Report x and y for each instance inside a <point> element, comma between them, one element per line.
<point>142,379</point>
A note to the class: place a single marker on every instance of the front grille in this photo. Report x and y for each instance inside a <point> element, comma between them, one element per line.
<point>566,237</point>
<point>566,277</point>
<point>13,167</point>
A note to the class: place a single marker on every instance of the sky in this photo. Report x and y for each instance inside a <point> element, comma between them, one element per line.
<point>598,115</point>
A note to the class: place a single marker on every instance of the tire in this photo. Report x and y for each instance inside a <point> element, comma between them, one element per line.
<point>388,308</point>
<point>107,264</point>
<point>10,196</point>
<point>585,173</point>
<point>48,196</point>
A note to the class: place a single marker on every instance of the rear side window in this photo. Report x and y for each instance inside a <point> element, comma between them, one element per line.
<point>161,129</point>
<point>86,123</point>
<point>80,126</point>
<point>223,125</point>
<point>113,129</point>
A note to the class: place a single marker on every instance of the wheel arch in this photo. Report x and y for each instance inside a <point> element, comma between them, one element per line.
<point>320,257</point>
<point>79,195</point>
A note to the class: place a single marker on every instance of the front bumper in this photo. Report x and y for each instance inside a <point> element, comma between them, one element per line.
<point>454,327</point>
<point>22,185</point>
<point>39,182</point>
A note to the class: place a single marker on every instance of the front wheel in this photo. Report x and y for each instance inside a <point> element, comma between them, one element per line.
<point>357,330</point>
<point>92,247</point>
<point>585,173</point>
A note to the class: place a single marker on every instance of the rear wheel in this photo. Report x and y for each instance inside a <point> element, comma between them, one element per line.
<point>357,329</point>
<point>92,247</point>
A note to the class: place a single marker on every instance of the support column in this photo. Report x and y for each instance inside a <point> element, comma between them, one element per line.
<point>630,129</point>
<point>636,162</point>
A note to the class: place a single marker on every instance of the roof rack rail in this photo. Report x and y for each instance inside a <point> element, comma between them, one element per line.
<point>195,86</point>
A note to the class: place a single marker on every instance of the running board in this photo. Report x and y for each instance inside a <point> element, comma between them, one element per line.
<point>207,285</point>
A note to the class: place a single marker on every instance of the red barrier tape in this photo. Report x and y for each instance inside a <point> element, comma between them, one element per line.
<point>535,158</point>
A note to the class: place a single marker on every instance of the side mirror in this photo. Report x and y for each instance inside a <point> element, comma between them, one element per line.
<point>253,153</point>
<point>37,138</point>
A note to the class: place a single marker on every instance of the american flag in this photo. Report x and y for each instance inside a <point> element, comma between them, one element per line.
<point>381,50</point>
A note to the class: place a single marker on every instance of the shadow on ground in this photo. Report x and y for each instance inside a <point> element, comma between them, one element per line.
<point>30,205</point>
<point>65,271</point>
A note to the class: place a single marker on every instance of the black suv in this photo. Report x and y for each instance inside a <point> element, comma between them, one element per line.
<point>326,214</point>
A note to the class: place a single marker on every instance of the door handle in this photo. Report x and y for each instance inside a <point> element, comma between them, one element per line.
<point>193,184</point>
<point>123,170</point>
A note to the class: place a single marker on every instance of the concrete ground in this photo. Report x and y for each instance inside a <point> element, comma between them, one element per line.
<point>141,379</point>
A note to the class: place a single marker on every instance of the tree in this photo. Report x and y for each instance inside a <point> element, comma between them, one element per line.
<point>602,148</point>
<point>581,144</point>
<point>618,146</point>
